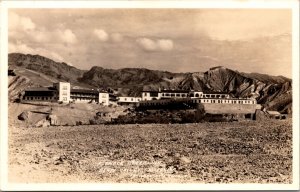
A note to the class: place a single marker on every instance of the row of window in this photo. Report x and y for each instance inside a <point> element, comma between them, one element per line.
<point>40,98</point>
<point>65,87</point>
<point>211,101</point>
<point>153,94</point>
<point>214,96</point>
<point>174,95</point>
<point>224,101</point>
<point>131,99</point>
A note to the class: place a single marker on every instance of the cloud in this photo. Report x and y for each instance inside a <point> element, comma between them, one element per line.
<point>155,45</point>
<point>18,22</point>
<point>67,36</point>
<point>147,44</point>
<point>165,44</point>
<point>116,37</point>
<point>21,47</point>
<point>101,34</point>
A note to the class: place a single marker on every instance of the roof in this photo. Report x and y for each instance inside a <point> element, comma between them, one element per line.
<point>273,112</point>
<point>84,91</point>
<point>40,89</point>
<point>151,91</point>
<point>175,91</point>
<point>215,92</point>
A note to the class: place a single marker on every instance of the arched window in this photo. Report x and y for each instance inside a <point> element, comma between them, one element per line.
<point>197,95</point>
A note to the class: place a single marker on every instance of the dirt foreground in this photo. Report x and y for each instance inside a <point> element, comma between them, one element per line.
<point>238,152</point>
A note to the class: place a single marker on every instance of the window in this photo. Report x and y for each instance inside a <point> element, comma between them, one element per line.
<point>154,94</point>
<point>197,95</point>
<point>131,99</point>
<point>64,93</point>
<point>192,95</point>
<point>125,99</point>
<point>172,95</point>
<point>65,99</point>
<point>65,87</point>
<point>177,95</point>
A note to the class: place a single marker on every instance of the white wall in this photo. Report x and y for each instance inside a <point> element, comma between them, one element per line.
<point>104,98</point>
<point>64,90</point>
<point>129,99</point>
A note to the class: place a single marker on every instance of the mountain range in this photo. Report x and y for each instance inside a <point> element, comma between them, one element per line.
<point>273,92</point>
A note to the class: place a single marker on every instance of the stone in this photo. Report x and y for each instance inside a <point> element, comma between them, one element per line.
<point>53,119</point>
<point>185,160</point>
<point>23,116</point>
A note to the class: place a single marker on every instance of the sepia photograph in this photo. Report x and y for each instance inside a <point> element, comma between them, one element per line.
<point>151,95</point>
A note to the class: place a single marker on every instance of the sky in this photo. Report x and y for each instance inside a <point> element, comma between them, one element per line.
<point>176,40</point>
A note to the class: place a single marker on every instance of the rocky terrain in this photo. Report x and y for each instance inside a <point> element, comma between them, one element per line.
<point>43,65</point>
<point>273,92</point>
<point>236,152</point>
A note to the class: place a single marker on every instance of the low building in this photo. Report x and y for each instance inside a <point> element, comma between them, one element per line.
<point>276,115</point>
<point>169,94</point>
<point>40,94</point>
<point>128,100</point>
<point>150,95</point>
<point>177,94</point>
<point>84,95</point>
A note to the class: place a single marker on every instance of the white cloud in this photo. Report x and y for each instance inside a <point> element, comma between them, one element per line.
<point>116,37</point>
<point>155,45</point>
<point>18,22</point>
<point>21,47</point>
<point>165,44</point>
<point>67,36</point>
<point>147,44</point>
<point>101,34</point>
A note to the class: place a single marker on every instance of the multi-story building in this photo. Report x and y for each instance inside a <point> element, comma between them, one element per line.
<point>62,92</point>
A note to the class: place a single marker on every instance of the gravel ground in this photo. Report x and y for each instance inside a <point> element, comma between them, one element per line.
<point>236,152</point>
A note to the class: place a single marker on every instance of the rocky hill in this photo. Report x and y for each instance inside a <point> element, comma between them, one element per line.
<point>43,65</point>
<point>273,92</point>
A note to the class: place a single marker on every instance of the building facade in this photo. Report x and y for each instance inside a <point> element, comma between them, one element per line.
<point>62,92</point>
<point>128,100</point>
<point>177,94</point>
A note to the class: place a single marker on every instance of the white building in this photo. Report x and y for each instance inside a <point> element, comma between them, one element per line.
<point>174,94</point>
<point>64,90</point>
<point>103,98</point>
<point>129,100</point>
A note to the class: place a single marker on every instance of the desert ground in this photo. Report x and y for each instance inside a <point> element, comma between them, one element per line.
<point>219,152</point>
